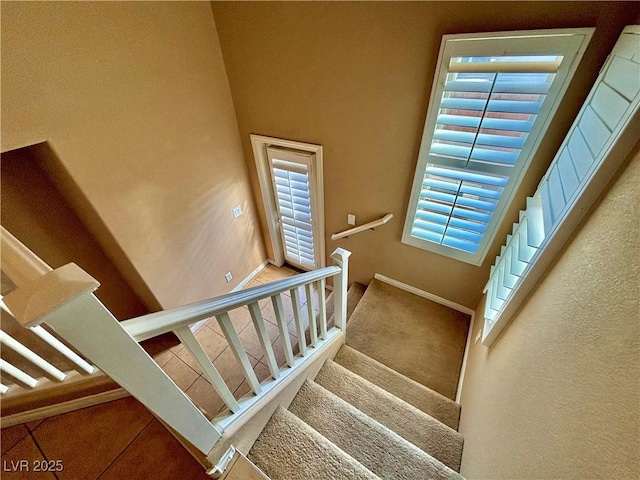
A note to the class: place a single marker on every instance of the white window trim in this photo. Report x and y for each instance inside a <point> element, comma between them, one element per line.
<point>259,144</point>
<point>614,152</point>
<point>449,48</point>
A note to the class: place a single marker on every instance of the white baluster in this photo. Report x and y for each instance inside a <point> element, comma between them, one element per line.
<point>302,341</point>
<point>64,300</point>
<point>322,306</point>
<point>34,358</point>
<point>276,300</point>
<point>263,337</point>
<point>238,351</point>
<point>23,266</point>
<point>312,318</point>
<point>18,374</point>
<point>192,345</point>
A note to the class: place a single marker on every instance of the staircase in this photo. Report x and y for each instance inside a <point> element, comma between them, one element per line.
<point>355,418</point>
<point>360,419</point>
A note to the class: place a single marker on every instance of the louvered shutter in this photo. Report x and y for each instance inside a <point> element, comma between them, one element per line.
<point>487,110</point>
<point>290,176</point>
<point>492,100</point>
<point>612,102</point>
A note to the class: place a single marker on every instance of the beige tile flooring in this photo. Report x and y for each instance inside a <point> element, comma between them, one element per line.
<point>121,439</point>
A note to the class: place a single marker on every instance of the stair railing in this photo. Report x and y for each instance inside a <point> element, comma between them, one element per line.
<point>63,299</point>
<point>33,350</point>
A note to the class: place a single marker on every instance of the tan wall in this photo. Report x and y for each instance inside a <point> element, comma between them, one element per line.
<point>36,212</point>
<point>134,99</point>
<point>355,77</point>
<point>558,394</point>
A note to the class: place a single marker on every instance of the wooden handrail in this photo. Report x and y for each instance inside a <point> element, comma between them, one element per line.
<point>362,228</point>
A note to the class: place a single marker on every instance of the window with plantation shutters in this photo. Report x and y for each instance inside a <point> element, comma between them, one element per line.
<point>290,173</point>
<point>492,100</point>
<point>592,151</point>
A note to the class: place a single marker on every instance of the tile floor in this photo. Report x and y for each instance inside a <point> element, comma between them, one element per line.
<point>121,439</point>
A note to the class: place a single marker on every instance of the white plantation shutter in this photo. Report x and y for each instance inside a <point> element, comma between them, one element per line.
<point>290,174</point>
<point>486,118</point>
<point>610,107</point>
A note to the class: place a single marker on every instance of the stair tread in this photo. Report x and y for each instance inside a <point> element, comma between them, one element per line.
<point>415,426</point>
<point>289,448</point>
<point>412,392</point>
<point>375,446</point>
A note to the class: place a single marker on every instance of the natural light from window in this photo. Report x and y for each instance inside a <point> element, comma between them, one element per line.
<point>485,121</point>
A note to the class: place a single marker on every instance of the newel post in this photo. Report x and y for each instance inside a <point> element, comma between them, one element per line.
<point>340,258</point>
<point>64,300</point>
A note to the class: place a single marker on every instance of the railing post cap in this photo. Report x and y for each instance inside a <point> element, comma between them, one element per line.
<point>340,254</point>
<point>32,302</point>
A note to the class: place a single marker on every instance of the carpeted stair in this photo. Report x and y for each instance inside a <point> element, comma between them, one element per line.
<point>291,449</point>
<point>361,419</point>
<point>412,392</point>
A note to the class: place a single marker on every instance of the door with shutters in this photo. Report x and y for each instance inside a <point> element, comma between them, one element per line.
<point>290,176</point>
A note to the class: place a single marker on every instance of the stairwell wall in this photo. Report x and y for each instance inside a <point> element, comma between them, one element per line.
<point>558,393</point>
<point>134,100</point>
<point>356,77</point>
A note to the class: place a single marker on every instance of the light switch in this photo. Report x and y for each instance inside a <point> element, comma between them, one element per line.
<point>351,219</point>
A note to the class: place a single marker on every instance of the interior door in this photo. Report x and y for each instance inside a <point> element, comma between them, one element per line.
<point>296,204</point>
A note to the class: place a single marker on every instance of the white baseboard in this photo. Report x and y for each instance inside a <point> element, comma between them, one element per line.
<point>423,294</point>
<point>446,303</point>
<point>196,326</point>
<point>465,357</point>
<point>251,276</point>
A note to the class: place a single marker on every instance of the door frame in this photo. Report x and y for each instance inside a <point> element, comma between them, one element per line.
<point>259,144</point>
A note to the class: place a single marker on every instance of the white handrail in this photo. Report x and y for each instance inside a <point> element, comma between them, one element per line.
<point>19,263</point>
<point>154,324</point>
<point>64,300</point>
<point>22,266</point>
<point>362,228</point>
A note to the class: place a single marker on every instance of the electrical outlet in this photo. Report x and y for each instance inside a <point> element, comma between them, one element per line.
<point>351,219</point>
<point>228,276</point>
<point>237,211</point>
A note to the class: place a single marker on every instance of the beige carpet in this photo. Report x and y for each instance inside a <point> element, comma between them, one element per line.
<point>416,337</point>
<point>290,449</point>
<point>379,449</point>
<point>414,393</point>
<point>360,418</point>
<point>415,426</point>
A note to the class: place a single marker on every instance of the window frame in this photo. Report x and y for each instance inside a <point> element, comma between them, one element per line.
<point>571,43</point>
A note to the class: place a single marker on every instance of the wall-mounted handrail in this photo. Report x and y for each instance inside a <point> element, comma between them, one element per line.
<point>154,324</point>
<point>362,228</point>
